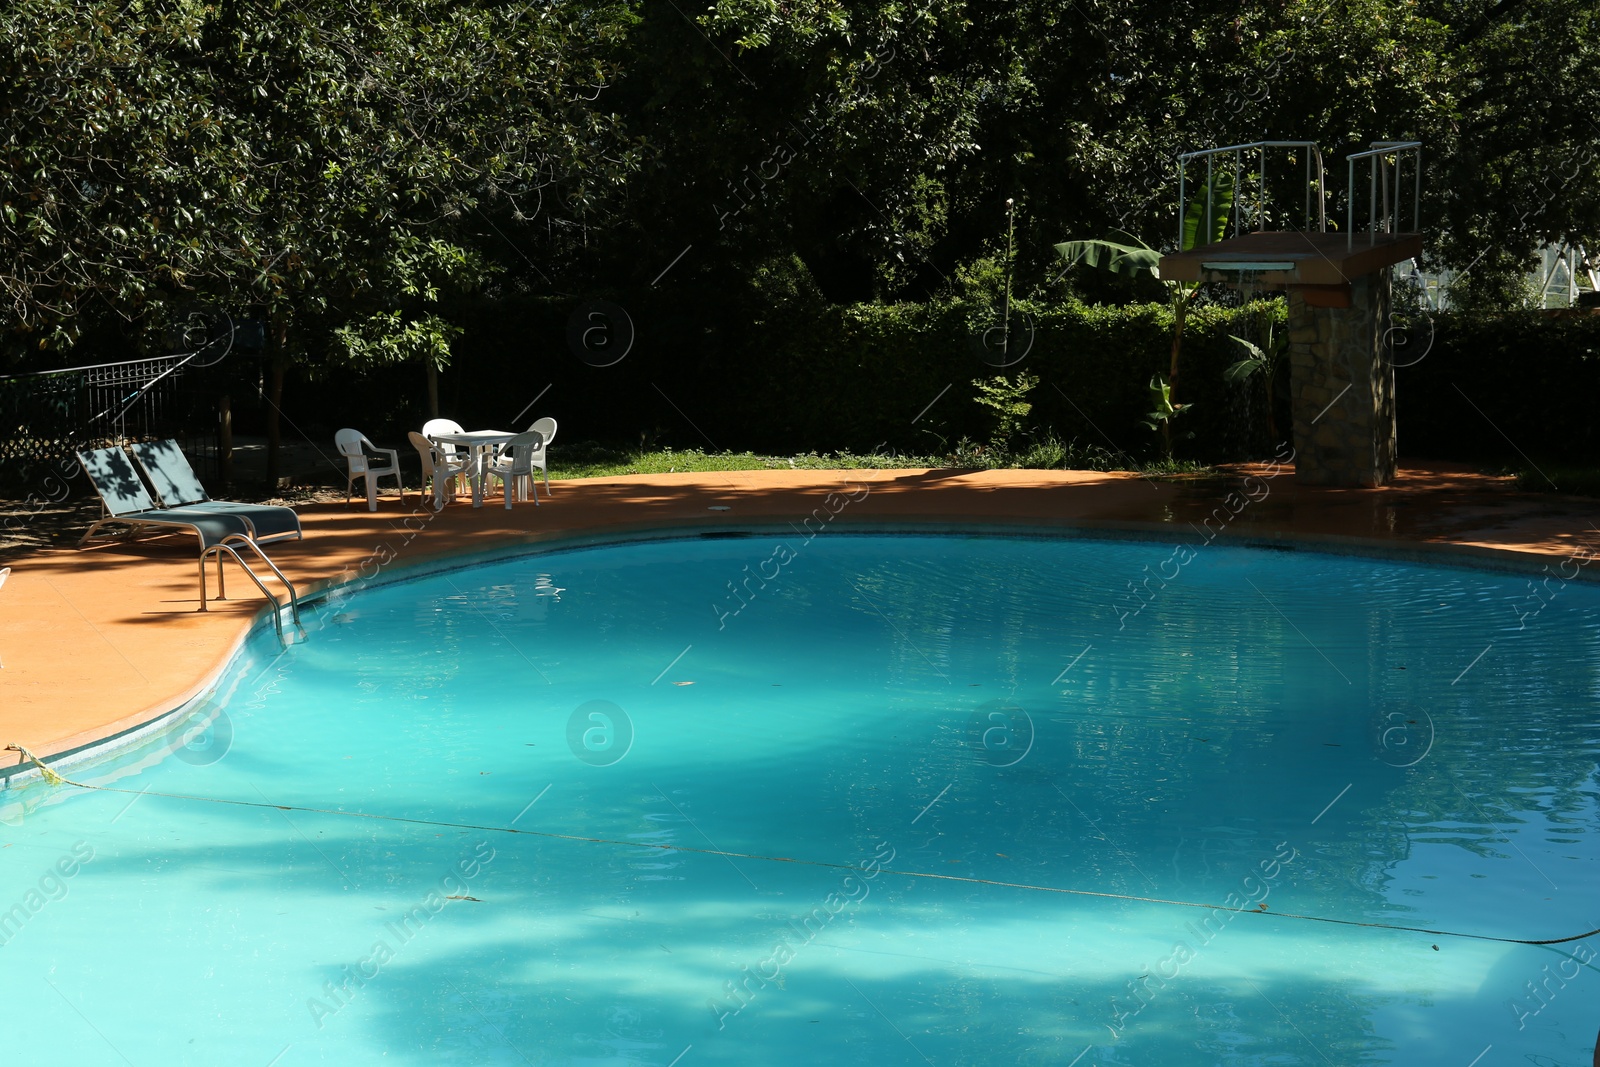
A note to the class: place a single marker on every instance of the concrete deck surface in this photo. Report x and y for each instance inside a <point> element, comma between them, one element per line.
<point>98,640</point>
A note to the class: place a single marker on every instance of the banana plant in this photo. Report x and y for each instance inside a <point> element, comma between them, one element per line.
<point>1264,361</point>
<point>1131,257</point>
<point>1165,410</point>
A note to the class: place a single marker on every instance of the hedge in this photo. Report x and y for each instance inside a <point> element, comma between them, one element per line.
<point>1502,387</point>
<point>724,371</point>
<point>708,371</point>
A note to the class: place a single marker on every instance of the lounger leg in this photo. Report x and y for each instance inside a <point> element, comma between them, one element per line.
<point>202,581</point>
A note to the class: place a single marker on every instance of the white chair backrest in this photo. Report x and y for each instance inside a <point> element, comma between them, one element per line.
<point>546,426</point>
<point>523,447</point>
<point>424,449</point>
<point>433,426</point>
<point>350,441</point>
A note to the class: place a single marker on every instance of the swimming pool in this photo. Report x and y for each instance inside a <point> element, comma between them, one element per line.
<point>925,799</point>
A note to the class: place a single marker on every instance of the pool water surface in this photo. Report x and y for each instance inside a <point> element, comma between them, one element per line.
<point>925,800</point>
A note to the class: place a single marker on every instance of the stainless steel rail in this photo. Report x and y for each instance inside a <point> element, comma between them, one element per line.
<point>1316,182</point>
<point>1377,156</point>
<point>226,545</point>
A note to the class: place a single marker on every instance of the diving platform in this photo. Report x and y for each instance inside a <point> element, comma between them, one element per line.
<point>1279,260</point>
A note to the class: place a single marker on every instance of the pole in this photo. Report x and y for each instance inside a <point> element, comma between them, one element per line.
<point>1005,336</point>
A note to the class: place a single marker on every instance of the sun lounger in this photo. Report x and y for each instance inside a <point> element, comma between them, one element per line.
<point>176,486</point>
<point>127,502</point>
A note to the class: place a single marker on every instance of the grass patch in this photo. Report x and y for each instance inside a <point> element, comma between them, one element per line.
<point>588,459</point>
<point>1176,466</point>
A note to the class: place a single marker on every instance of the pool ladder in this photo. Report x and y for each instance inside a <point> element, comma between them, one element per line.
<point>227,545</point>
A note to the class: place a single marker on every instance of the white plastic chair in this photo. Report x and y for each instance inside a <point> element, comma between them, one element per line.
<point>364,460</point>
<point>523,455</point>
<point>547,427</point>
<point>437,426</point>
<point>439,468</point>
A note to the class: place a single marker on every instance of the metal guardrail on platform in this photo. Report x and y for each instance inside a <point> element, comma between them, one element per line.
<point>1316,181</point>
<point>1387,220</point>
<point>1386,161</point>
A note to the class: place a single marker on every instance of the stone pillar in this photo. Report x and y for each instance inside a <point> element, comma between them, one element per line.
<point>1342,382</point>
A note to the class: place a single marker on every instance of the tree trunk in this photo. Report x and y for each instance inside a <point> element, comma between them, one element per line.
<point>1272,400</point>
<point>1180,313</point>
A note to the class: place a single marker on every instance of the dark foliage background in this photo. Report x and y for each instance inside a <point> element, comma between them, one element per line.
<point>803,208</point>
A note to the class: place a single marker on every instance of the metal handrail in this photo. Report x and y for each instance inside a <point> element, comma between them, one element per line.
<point>1314,153</point>
<point>226,545</point>
<point>294,600</point>
<point>1376,154</point>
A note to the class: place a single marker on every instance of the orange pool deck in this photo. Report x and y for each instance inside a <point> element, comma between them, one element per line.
<point>94,641</point>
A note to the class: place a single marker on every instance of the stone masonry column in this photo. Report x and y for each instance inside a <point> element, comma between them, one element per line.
<point>1341,379</point>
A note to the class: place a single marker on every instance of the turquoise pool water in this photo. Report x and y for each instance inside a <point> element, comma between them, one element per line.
<point>1368,741</point>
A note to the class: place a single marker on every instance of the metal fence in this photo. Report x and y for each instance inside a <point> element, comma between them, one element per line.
<point>45,416</point>
<point>48,415</point>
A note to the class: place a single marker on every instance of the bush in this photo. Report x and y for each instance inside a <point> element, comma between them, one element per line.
<point>1501,386</point>
<point>711,369</point>
<point>722,370</point>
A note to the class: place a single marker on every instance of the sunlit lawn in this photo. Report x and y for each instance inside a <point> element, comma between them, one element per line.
<point>590,460</point>
<point>587,460</point>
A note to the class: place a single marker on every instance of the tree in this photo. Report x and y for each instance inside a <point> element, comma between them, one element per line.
<point>117,181</point>
<point>880,141</point>
<point>341,173</point>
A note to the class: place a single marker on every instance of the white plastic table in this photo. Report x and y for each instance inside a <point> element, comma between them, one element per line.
<point>482,443</point>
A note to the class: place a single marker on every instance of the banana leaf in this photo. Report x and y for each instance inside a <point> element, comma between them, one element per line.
<point>1129,260</point>
<point>1219,194</point>
<point>1242,369</point>
<point>1256,360</point>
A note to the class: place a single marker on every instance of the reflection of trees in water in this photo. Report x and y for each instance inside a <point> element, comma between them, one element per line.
<point>1168,762</point>
<point>1209,729</point>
